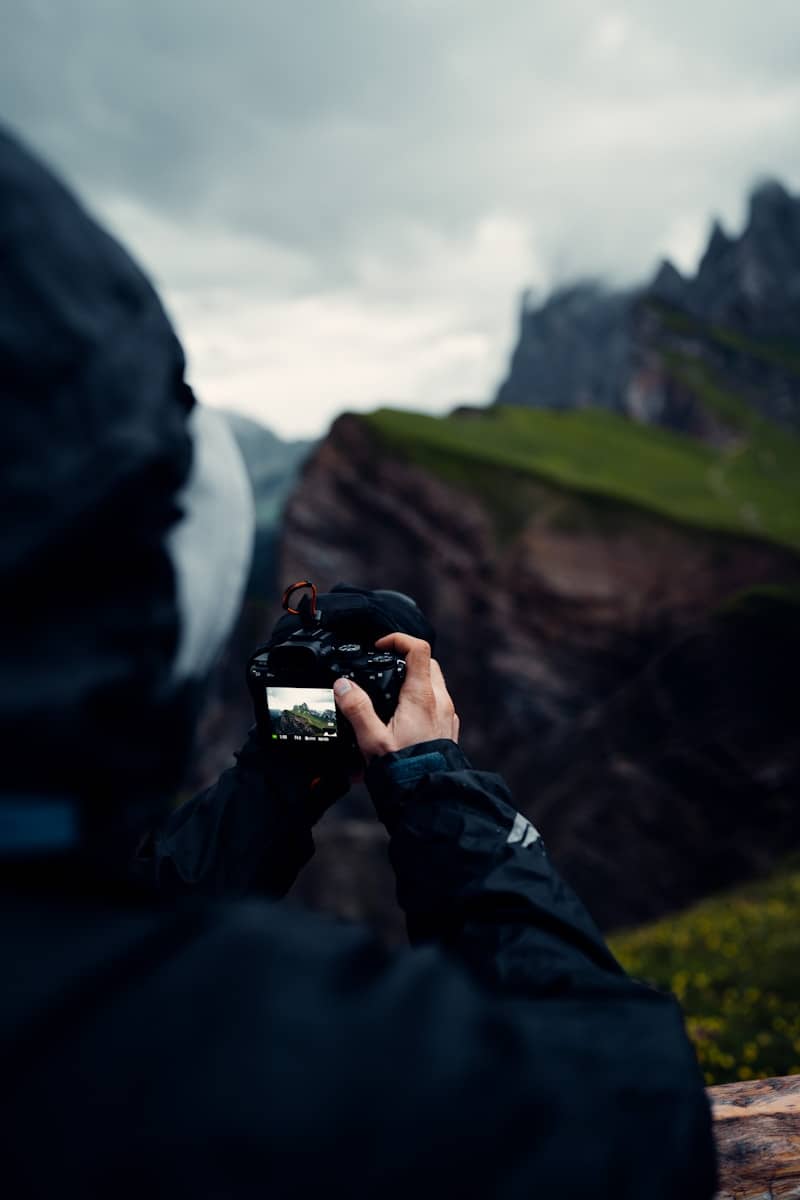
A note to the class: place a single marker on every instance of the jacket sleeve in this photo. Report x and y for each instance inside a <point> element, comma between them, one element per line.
<point>473,875</point>
<point>249,832</point>
<point>474,878</point>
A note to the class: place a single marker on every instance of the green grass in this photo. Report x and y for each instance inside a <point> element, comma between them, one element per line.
<point>765,455</point>
<point>752,488</point>
<point>733,962</point>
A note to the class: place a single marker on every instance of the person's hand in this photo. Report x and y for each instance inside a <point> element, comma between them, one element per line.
<point>424,711</point>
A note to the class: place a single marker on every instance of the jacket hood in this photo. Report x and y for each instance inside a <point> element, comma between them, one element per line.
<point>97,457</point>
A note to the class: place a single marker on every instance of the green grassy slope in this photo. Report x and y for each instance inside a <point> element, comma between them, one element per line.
<point>752,489</point>
<point>733,961</point>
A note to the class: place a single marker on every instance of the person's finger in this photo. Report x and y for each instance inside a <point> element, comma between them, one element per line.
<point>456,727</point>
<point>436,674</point>
<point>443,697</point>
<point>401,643</point>
<point>355,705</point>
<point>417,687</point>
<point>417,653</point>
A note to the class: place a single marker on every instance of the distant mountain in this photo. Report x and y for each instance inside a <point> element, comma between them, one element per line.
<point>271,464</point>
<point>685,352</point>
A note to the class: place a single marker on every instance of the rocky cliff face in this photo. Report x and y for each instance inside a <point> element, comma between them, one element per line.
<point>544,625</point>
<point>671,352</point>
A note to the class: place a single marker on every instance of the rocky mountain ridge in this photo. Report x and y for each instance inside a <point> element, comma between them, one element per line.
<point>272,465</point>
<point>668,352</point>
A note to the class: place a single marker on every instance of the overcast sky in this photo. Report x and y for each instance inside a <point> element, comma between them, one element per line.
<point>341,200</point>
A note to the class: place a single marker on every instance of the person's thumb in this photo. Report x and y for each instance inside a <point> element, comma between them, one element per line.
<point>356,707</point>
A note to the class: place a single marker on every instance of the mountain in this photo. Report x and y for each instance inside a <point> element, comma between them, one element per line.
<point>580,568</point>
<point>684,352</point>
<point>272,465</point>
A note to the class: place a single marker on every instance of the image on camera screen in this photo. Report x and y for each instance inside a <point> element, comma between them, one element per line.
<point>301,714</point>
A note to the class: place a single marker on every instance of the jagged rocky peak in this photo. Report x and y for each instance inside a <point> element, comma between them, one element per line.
<point>719,246</point>
<point>627,351</point>
<point>772,240</point>
<point>668,283</point>
<point>772,207</point>
<point>576,301</point>
<point>715,289</point>
<point>572,349</point>
<point>753,281</point>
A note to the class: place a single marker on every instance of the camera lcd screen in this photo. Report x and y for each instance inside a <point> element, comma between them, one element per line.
<point>301,714</point>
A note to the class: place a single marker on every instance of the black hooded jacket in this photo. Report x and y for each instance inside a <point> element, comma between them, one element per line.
<point>184,1034</point>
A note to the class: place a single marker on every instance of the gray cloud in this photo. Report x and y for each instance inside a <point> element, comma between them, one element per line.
<point>399,167</point>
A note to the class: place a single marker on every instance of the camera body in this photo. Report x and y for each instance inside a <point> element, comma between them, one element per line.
<point>291,685</point>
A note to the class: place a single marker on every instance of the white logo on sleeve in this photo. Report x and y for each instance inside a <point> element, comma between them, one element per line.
<point>522,832</point>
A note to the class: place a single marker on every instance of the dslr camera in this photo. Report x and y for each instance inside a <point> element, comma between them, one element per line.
<point>291,678</point>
